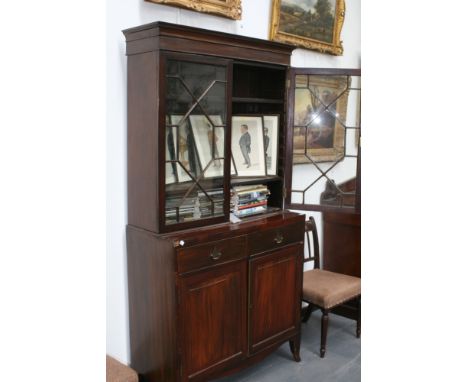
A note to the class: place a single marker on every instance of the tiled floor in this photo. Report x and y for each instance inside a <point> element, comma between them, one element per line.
<point>342,362</point>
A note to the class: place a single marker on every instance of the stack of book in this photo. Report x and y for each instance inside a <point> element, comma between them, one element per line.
<point>249,200</point>
<point>194,207</point>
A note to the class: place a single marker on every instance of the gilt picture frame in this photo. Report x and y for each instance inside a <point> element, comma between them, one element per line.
<point>231,9</point>
<point>320,112</point>
<point>310,24</point>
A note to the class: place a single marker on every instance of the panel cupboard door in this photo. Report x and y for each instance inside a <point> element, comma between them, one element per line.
<point>275,296</point>
<point>213,319</point>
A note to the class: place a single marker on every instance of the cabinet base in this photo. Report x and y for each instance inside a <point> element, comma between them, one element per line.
<point>294,343</point>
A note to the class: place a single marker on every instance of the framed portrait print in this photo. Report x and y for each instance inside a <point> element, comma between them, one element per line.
<point>233,168</point>
<point>311,24</point>
<point>226,8</point>
<point>209,141</point>
<point>171,167</point>
<point>247,145</point>
<point>270,139</point>
<point>320,107</point>
<point>185,149</point>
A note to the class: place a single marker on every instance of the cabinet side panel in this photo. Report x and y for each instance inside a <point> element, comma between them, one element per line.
<point>342,243</point>
<point>142,136</point>
<point>152,306</point>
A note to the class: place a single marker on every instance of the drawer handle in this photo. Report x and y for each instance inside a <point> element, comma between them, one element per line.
<point>215,255</point>
<point>279,238</point>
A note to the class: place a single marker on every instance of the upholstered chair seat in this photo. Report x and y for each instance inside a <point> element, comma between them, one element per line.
<point>328,289</point>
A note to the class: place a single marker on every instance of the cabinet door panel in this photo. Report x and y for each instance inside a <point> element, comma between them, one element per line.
<point>213,316</point>
<point>275,293</point>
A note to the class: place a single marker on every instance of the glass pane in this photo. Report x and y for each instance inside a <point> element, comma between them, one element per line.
<point>195,140</point>
<point>353,113</point>
<point>352,142</point>
<point>325,140</point>
<point>214,102</point>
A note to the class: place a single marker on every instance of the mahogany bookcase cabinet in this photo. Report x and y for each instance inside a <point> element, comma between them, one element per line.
<point>206,297</point>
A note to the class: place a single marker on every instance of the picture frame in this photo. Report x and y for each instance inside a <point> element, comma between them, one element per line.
<point>211,158</point>
<point>270,140</point>
<point>185,149</point>
<point>231,9</point>
<point>233,168</point>
<point>170,167</point>
<point>247,145</point>
<point>320,108</point>
<point>316,27</point>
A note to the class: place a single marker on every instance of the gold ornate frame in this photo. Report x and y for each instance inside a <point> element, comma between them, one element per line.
<point>226,8</point>
<point>337,152</point>
<point>336,47</point>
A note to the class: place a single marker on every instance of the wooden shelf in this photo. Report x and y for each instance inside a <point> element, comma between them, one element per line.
<point>212,183</point>
<point>239,180</point>
<point>257,100</point>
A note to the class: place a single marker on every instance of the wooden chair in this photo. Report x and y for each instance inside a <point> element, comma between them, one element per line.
<point>326,290</point>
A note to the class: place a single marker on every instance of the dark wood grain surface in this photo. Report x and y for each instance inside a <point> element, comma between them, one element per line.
<point>213,309</point>
<point>274,296</point>
<point>189,284</point>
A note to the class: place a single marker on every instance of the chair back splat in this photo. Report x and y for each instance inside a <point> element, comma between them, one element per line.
<point>311,230</point>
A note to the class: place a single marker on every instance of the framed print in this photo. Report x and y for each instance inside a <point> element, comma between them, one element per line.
<point>171,167</point>
<point>311,24</point>
<point>209,141</point>
<point>233,168</point>
<point>184,145</point>
<point>226,8</point>
<point>320,107</point>
<point>270,140</point>
<point>247,145</point>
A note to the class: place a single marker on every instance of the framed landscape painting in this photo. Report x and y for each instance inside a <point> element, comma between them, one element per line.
<point>311,24</point>
<point>320,115</point>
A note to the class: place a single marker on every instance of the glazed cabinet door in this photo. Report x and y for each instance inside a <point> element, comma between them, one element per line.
<point>196,135</point>
<point>322,170</point>
<point>275,296</point>
<point>213,320</point>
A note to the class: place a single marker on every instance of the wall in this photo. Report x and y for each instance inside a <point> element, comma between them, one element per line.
<point>129,13</point>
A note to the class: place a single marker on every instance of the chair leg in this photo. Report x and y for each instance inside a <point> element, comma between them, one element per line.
<point>358,321</point>
<point>306,312</point>
<point>323,343</point>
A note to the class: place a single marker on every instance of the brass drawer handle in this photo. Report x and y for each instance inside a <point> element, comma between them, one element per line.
<point>279,238</point>
<point>215,255</point>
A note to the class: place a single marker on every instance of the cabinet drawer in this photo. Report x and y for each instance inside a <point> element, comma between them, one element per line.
<point>216,252</point>
<point>276,237</point>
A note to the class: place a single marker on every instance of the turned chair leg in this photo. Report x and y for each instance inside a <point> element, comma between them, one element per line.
<point>323,343</point>
<point>306,313</point>
<point>358,321</point>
